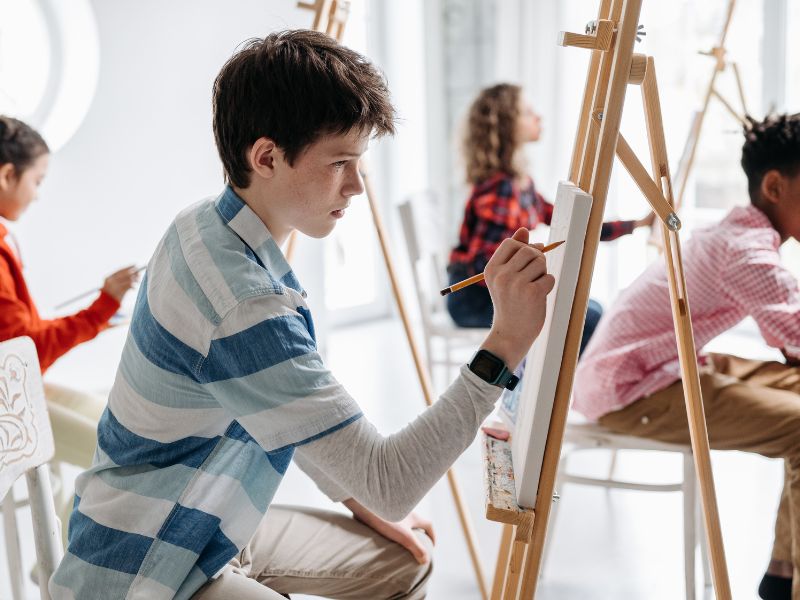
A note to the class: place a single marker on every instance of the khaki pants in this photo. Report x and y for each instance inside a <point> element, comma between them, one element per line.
<point>73,416</point>
<point>749,405</point>
<point>321,553</point>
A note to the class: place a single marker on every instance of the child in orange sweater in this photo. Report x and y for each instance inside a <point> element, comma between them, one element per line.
<point>74,415</point>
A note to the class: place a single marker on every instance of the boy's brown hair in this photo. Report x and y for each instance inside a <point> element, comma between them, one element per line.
<point>294,87</point>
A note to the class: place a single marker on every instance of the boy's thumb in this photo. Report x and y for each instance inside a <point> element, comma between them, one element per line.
<point>521,235</point>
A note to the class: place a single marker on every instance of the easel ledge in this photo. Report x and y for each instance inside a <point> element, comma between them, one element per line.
<point>498,482</point>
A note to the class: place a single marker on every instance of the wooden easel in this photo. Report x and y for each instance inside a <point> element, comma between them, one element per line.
<point>720,64</point>
<point>337,12</point>
<point>612,68</point>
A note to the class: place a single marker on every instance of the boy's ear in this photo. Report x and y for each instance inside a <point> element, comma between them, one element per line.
<point>262,156</point>
<point>8,174</point>
<point>772,186</point>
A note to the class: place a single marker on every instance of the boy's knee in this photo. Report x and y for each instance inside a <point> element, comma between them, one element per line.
<point>413,577</point>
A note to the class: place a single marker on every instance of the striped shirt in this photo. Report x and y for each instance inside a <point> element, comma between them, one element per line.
<point>733,270</point>
<point>219,381</point>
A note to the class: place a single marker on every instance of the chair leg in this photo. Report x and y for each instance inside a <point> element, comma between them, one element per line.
<point>707,581</point>
<point>689,531</point>
<point>46,528</point>
<point>12,547</point>
<point>613,464</point>
<point>57,477</point>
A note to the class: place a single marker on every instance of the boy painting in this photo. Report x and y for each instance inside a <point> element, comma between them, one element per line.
<point>629,378</point>
<point>220,385</point>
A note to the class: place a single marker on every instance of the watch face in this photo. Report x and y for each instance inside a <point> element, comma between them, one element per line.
<point>486,366</point>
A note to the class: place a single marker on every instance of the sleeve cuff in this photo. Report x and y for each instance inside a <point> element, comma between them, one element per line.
<point>484,388</point>
<point>104,307</point>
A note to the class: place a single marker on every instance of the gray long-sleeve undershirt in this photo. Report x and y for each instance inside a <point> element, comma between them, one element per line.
<point>390,475</point>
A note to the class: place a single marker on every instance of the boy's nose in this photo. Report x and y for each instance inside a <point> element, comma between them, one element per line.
<point>355,184</point>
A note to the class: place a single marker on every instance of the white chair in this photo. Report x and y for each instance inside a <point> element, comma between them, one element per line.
<point>26,444</point>
<point>423,233</point>
<point>581,435</point>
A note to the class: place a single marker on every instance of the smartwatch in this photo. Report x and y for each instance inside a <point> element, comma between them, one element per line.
<point>493,370</point>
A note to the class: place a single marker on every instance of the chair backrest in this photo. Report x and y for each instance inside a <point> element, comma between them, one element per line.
<point>423,233</point>
<point>26,445</point>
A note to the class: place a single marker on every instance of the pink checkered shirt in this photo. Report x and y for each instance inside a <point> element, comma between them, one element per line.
<point>732,270</point>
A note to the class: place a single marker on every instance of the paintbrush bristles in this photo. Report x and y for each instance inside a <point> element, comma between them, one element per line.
<point>479,277</point>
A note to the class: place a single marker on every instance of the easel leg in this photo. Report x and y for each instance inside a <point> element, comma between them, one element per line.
<point>503,553</point>
<point>686,348</point>
<point>517,565</point>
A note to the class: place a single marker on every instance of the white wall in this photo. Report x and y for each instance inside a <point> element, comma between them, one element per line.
<point>144,152</point>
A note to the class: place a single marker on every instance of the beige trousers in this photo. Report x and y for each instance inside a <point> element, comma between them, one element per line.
<point>749,405</point>
<point>307,551</point>
<point>73,416</point>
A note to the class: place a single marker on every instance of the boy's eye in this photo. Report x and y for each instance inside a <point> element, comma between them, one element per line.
<point>339,164</point>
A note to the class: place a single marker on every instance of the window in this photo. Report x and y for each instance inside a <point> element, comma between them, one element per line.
<point>49,61</point>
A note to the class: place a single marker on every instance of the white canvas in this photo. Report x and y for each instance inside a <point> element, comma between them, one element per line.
<point>543,363</point>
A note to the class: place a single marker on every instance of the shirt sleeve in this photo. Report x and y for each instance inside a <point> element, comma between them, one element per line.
<point>263,366</point>
<point>547,208</point>
<point>325,484</point>
<point>390,475</point>
<point>53,337</point>
<point>612,230</point>
<point>765,289</point>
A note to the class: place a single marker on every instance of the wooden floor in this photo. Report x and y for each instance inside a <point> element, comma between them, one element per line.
<point>616,544</point>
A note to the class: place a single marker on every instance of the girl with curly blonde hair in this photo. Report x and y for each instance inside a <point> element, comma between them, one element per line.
<point>503,199</point>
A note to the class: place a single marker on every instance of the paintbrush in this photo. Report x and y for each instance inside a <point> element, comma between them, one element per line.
<point>87,293</point>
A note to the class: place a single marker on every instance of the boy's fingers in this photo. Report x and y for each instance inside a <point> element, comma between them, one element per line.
<point>410,542</point>
<point>427,527</point>
<point>510,246</point>
<point>535,268</point>
<point>524,257</point>
<point>521,235</point>
<point>545,284</point>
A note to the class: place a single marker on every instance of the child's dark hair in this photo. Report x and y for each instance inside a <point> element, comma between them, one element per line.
<point>294,87</point>
<point>20,144</point>
<point>773,143</point>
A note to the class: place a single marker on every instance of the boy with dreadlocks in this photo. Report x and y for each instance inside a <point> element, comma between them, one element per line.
<point>629,378</point>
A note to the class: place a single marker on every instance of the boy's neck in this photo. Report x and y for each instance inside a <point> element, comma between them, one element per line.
<point>258,205</point>
<point>769,212</point>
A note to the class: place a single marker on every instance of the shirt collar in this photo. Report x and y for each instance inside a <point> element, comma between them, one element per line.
<point>753,218</point>
<point>252,231</point>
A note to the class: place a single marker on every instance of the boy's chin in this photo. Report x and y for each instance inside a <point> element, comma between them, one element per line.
<point>319,232</point>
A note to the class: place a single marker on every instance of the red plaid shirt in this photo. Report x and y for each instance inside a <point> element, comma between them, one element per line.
<point>498,207</point>
<point>732,270</point>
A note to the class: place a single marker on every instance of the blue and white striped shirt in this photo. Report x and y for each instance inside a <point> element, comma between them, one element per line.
<point>219,381</point>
